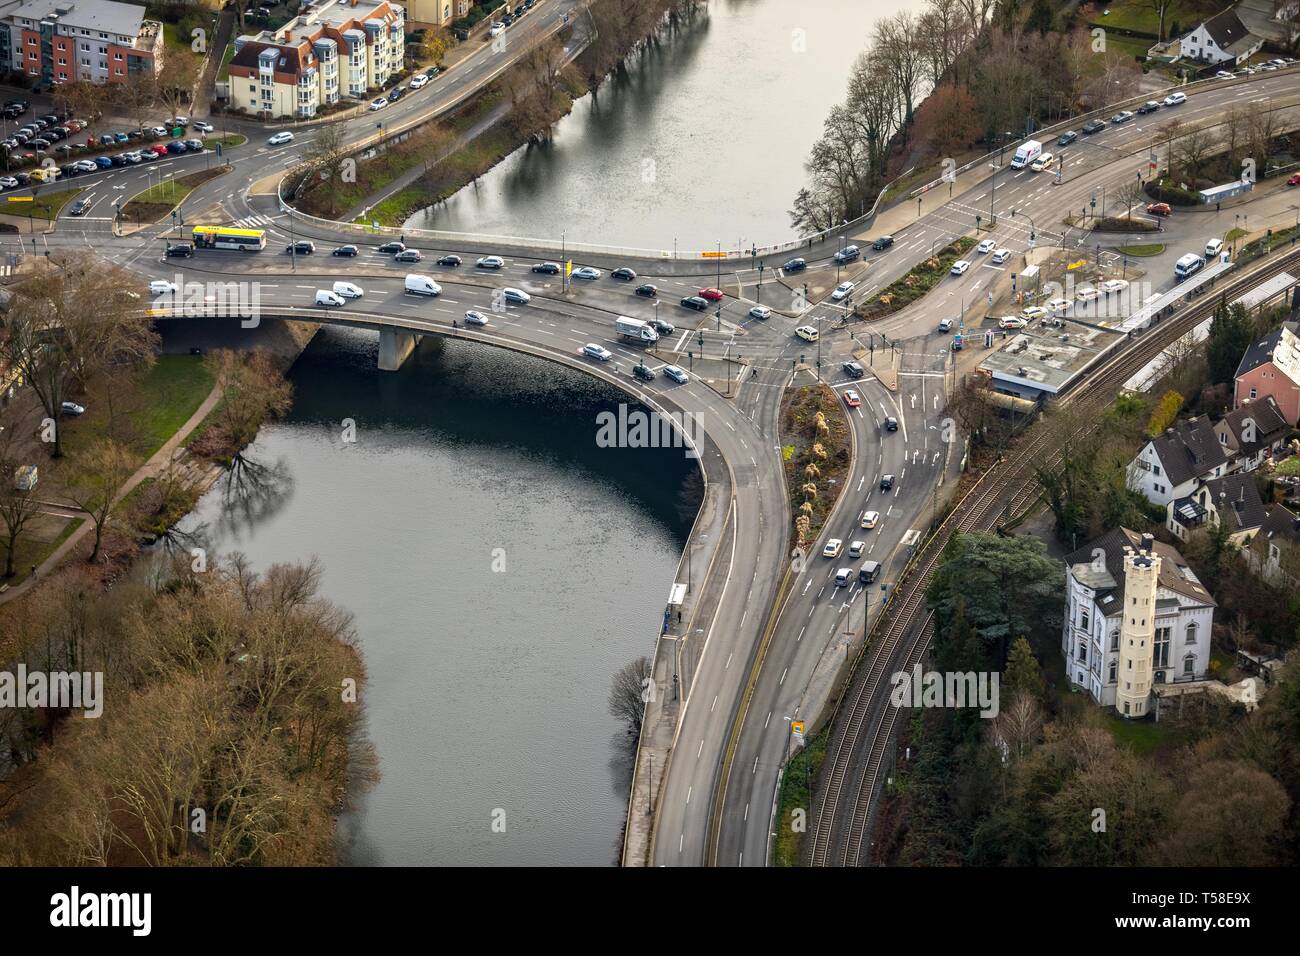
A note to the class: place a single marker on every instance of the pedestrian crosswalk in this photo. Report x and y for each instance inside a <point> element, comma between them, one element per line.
<point>250,222</point>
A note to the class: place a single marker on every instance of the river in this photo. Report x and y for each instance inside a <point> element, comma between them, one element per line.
<point>702,140</point>
<point>487,688</point>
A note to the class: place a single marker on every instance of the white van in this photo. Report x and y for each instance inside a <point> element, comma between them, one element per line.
<point>807,333</point>
<point>327,298</point>
<point>422,285</point>
<point>1187,265</point>
<point>1212,248</point>
<point>1026,153</point>
<point>347,290</point>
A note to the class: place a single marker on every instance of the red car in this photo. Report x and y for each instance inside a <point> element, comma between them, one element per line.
<point>713,295</point>
<point>1159,209</point>
<point>1294,180</point>
<point>851,398</point>
<point>159,149</point>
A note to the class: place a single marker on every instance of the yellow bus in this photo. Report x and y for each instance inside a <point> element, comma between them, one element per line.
<point>227,237</point>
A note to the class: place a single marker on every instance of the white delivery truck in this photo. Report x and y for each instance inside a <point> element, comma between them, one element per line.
<point>636,330</point>
<point>1026,153</point>
<point>417,284</point>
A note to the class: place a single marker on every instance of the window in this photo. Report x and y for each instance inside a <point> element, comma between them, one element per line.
<point>1083,619</point>
<point>1114,640</point>
<point>1113,673</point>
<point>1189,666</point>
<point>1155,470</point>
<point>1161,658</point>
<point>1083,651</point>
<point>1253,394</point>
<point>1191,634</point>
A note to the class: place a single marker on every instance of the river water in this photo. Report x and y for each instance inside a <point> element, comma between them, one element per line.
<point>487,688</point>
<point>701,140</point>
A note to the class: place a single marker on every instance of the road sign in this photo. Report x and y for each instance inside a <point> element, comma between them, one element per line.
<point>797,728</point>
<point>19,198</point>
<point>568,267</point>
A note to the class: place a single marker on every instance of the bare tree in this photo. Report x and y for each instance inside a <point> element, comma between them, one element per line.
<point>17,504</point>
<point>897,43</point>
<point>1160,7</point>
<point>99,474</point>
<point>1130,194</point>
<point>252,390</point>
<point>628,696</point>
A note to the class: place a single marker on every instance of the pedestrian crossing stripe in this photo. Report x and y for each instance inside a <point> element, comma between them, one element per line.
<point>250,221</point>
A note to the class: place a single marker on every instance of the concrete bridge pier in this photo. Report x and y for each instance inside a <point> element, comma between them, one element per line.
<point>395,347</point>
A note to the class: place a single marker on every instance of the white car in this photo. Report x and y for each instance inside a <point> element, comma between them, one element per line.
<point>496,29</point>
<point>348,290</point>
<point>418,81</point>
<point>1001,256</point>
<point>279,139</point>
<point>870,519</point>
<point>1042,163</point>
<point>490,262</point>
<point>1224,75</point>
<point>832,548</point>
<point>985,247</point>
<point>586,272</point>
<point>203,127</point>
<point>516,296</point>
<point>959,267</point>
<point>327,298</point>
<point>72,408</point>
<point>378,104</point>
<point>843,290</point>
<point>1173,99</point>
<point>8,182</point>
<point>162,287</point>
<point>1033,312</point>
<point>677,374</point>
<point>1012,322</point>
<point>760,312</point>
<point>1111,286</point>
<point>1086,294</point>
<point>475,318</point>
<point>1059,305</point>
<point>599,352</point>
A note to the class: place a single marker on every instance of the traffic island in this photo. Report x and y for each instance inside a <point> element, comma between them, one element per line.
<point>817,451</point>
<point>157,202</point>
<point>907,289</point>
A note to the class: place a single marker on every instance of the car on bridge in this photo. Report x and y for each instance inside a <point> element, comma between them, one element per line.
<point>1066,138</point>
<point>854,370</point>
<point>832,548</point>
<point>475,318</point>
<point>408,255</point>
<point>328,299</point>
<point>450,261</point>
<point>647,291</point>
<point>760,312</point>
<point>795,265</point>
<point>547,268</point>
<point>698,303</point>
<point>852,398</point>
<point>623,274</point>
<point>490,262</point>
<point>677,374</point>
<point>279,139</point>
<point>586,272</point>
<point>886,482</point>
<point>598,352</point>
<point>1092,126</point>
<point>345,251</point>
<point>711,294</point>
<point>1175,98</point>
<point>870,519</point>
<point>348,290</point>
<point>1150,106</point>
<point>843,291</point>
<point>516,296</point>
<point>1123,116</point>
<point>959,267</point>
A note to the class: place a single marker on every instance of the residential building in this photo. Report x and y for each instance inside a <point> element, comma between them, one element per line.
<point>1271,366</point>
<point>434,13</point>
<point>1170,465</point>
<point>1221,39</point>
<point>341,50</point>
<point>1231,502</point>
<point>1252,433</point>
<point>1274,553</point>
<point>1136,617</point>
<point>61,41</point>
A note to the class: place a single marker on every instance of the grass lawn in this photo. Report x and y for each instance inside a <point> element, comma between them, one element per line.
<point>229,141</point>
<point>223,72</point>
<point>921,279</point>
<point>796,795</point>
<point>33,548</point>
<point>1143,249</point>
<point>44,206</point>
<point>1138,15</point>
<point>1129,46</point>
<point>165,397</point>
<point>157,201</point>
<point>1141,736</point>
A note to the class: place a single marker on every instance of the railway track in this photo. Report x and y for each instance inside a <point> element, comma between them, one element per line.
<point>863,722</point>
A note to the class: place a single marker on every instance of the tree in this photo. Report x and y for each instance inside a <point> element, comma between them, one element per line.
<point>99,473</point>
<point>17,505</point>
<point>174,83</point>
<point>896,43</point>
<point>1161,7</point>
<point>947,122</point>
<point>252,390</point>
<point>329,157</point>
<point>628,696</point>
<point>1022,673</point>
<point>1230,813</point>
<point>1164,414</point>
<point>1130,194</point>
<point>1229,337</point>
<point>68,325</point>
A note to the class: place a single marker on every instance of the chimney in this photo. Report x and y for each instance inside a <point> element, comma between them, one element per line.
<point>288,36</point>
<point>1148,542</point>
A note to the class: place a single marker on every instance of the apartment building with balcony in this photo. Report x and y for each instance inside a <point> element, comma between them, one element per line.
<point>342,49</point>
<point>62,41</point>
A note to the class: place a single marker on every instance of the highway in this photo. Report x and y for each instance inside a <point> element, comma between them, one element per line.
<point>756,664</point>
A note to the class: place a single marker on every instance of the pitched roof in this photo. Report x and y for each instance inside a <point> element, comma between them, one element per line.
<point>1280,524</point>
<point>1261,352</point>
<point>1270,426</point>
<point>1175,574</point>
<point>1226,28</point>
<point>1238,502</point>
<point>1189,449</point>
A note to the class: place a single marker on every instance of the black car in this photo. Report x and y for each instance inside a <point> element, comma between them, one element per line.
<point>886,482</point>
<point>624,273</point>
<point>396,94</point>
<point>300,248</point>
<point>80,207</point>
<point>795,265</point>
<point>1092,126</point>
<point>408,255</point>
<point>884,242</point>
<point>854,370</point>
<point>432,71</point>
<point>647,291</point>
<point>449,260</point>
<point>1150,106</point>
<point>891,424</point>
<point>698,303</point>
<point>644,372</point>
<point>24,179</point>
<point>547,268</point>
<point>393,247</point>
<point>1066,138</point>
<point>180,250</point>
<point>345,251</point>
